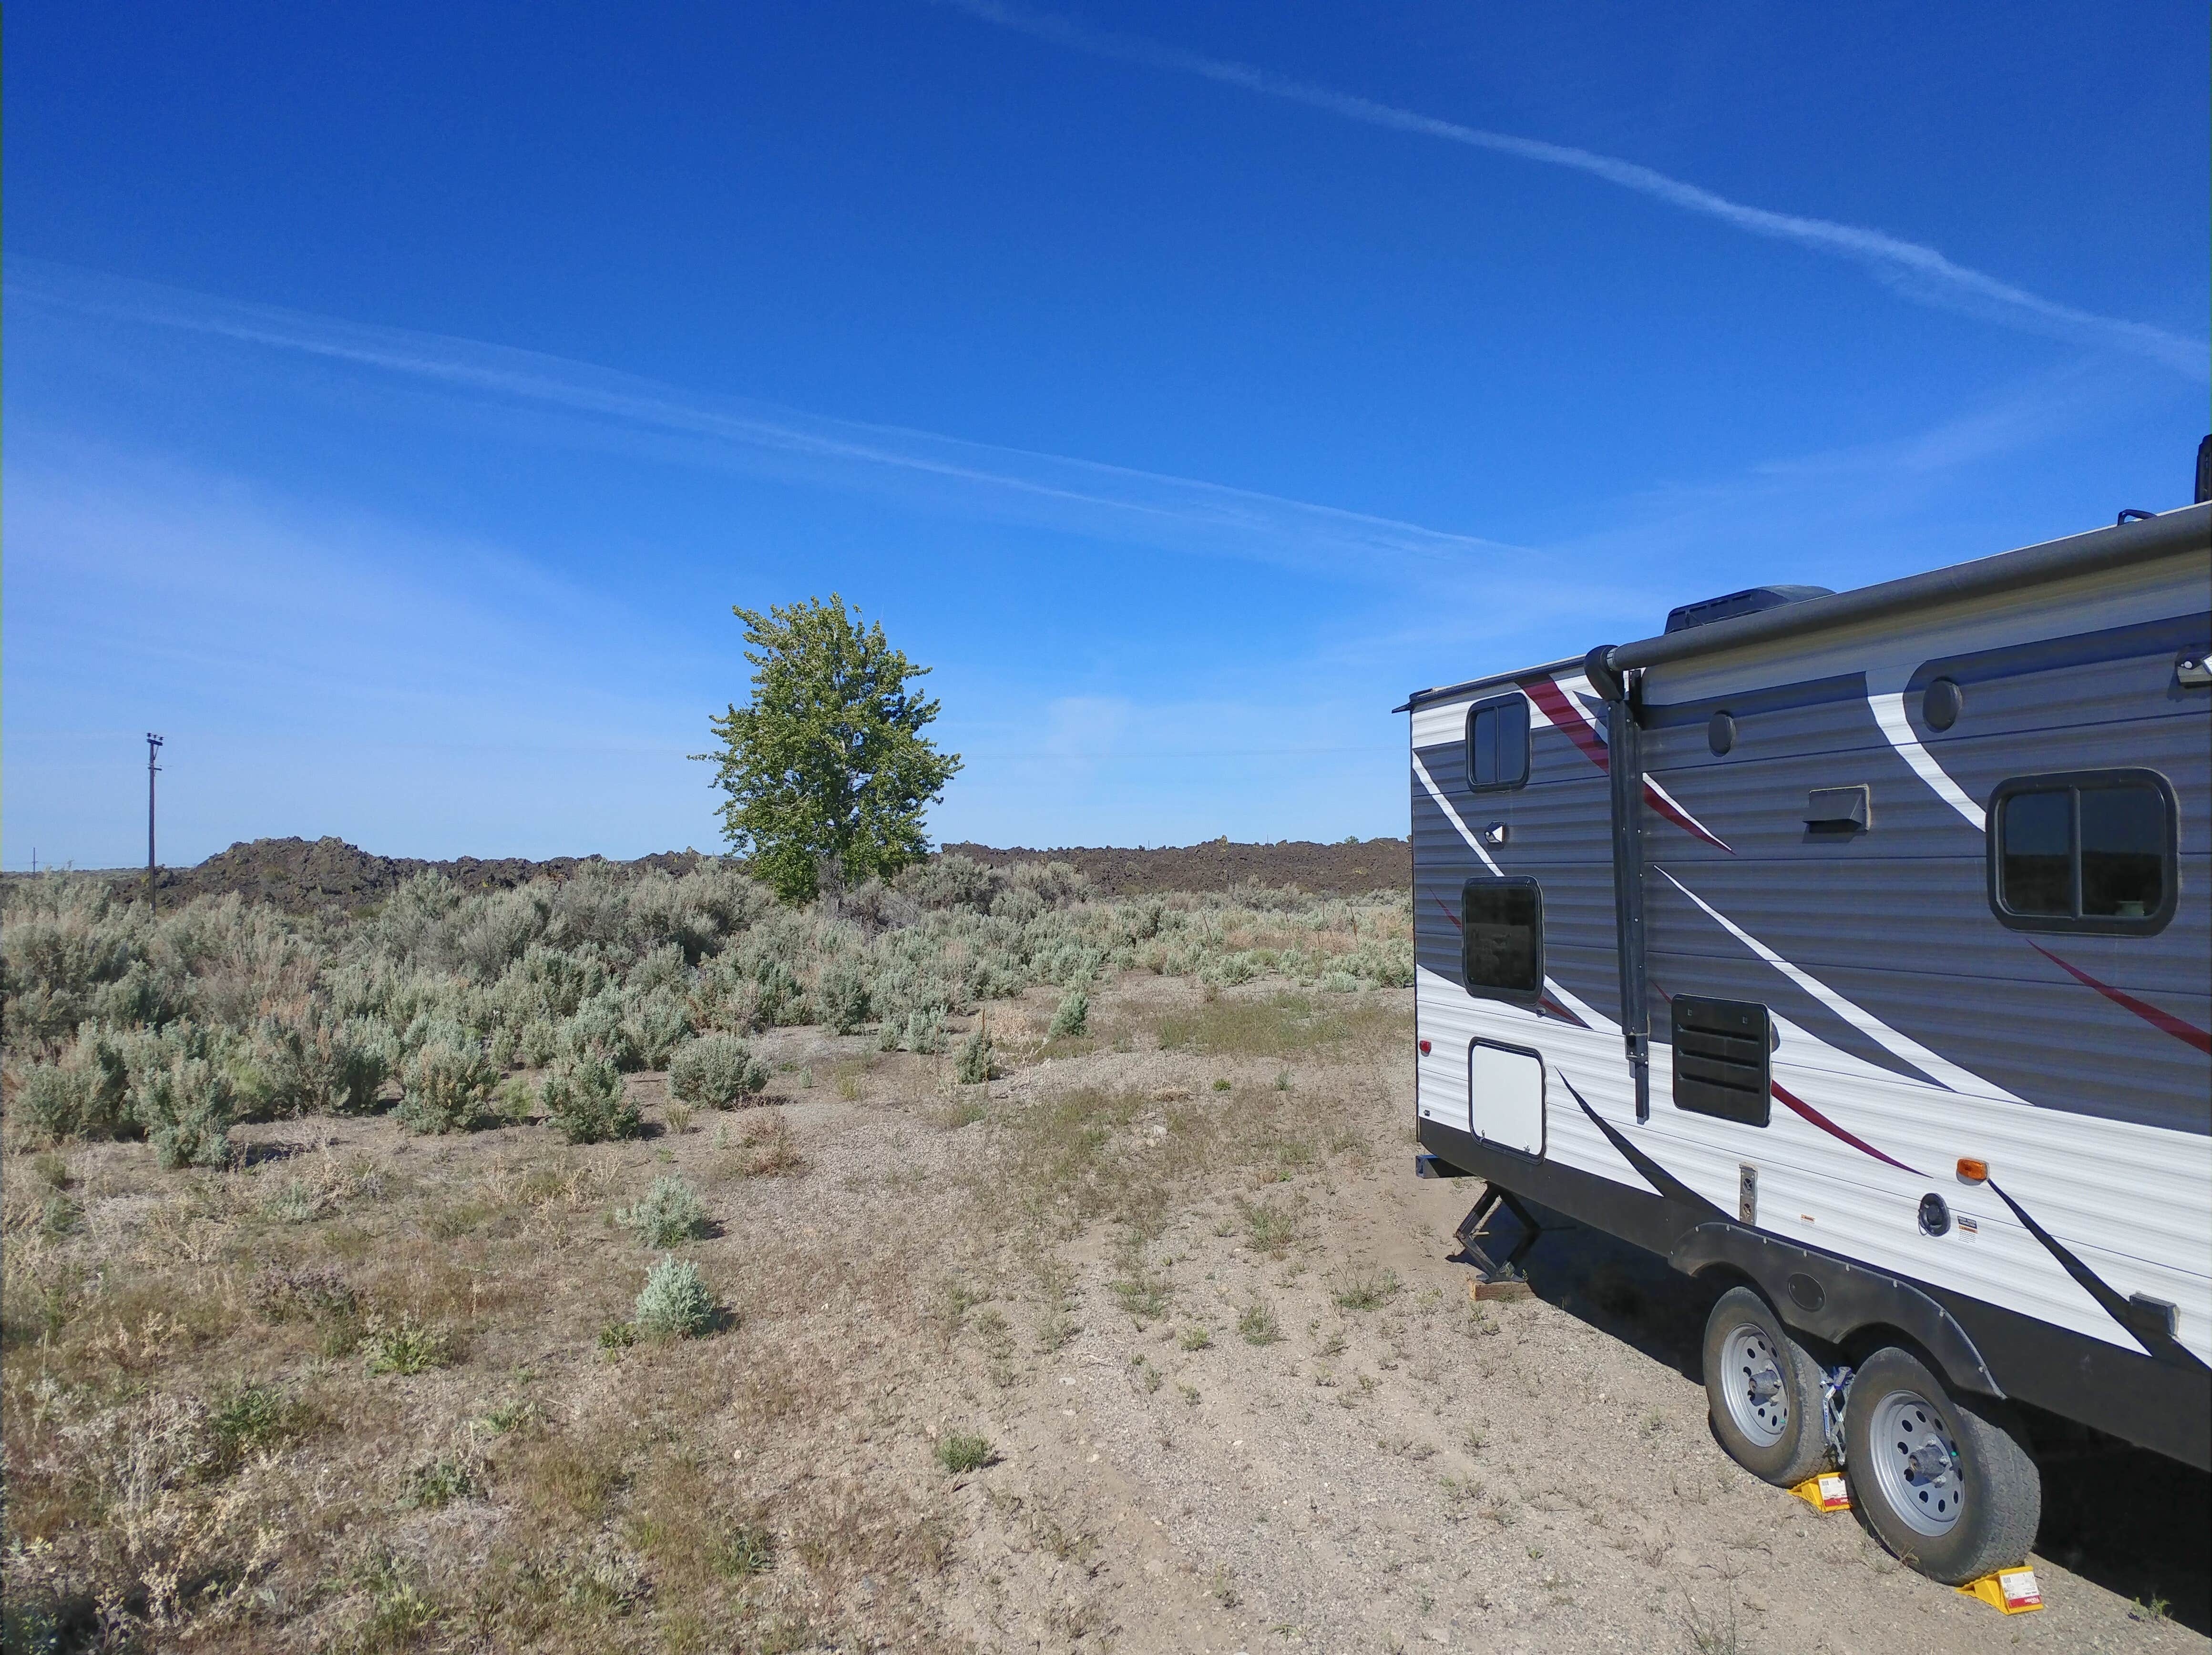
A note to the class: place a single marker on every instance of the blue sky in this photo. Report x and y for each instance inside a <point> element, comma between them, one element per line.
<point>398,399</point>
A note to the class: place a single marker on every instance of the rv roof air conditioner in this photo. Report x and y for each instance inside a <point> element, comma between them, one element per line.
<point>1750,601</point>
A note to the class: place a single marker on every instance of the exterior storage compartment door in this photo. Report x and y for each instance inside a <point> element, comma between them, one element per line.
<point>1505,1097</point>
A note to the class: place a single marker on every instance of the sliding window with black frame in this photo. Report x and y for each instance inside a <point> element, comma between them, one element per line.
<point>1497,743</point>
<point>1502,939</point>
<point>2084,850</point>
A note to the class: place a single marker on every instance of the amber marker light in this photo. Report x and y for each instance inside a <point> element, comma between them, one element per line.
<point>1973,1172</point>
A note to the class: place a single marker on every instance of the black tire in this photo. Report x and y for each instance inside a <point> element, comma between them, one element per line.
<point>1944,1481</point>
<point>1765,1391</point>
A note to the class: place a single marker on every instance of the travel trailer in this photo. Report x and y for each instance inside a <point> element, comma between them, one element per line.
<point>1854,949</point>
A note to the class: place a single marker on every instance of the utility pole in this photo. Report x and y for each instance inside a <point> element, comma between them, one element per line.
<point>153,746</point>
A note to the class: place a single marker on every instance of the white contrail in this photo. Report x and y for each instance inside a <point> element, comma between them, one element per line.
<point>1919,272</point>
<point>1051,490</point>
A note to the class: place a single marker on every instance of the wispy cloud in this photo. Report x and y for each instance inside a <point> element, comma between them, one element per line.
<point>1919,272</point>
<point>1112,502</point>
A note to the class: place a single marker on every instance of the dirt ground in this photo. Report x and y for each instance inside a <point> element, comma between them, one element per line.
<point>1173,1278</point>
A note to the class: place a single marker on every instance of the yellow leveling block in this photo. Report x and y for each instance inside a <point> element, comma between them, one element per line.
<point>1825,1493</point>
<point>2012,1591</point>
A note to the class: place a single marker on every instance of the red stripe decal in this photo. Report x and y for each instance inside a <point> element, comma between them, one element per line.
<point>1559,708</point>
<point>1827,1126</point>
<point>1680,818</point>
<point>1565,715</point>
<point>1448,914</point>
<point>2165,1021</point>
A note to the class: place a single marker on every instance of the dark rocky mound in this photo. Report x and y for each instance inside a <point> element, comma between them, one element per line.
<point>306,874</point>
<point>303,874</point>
<point>1374,864</point>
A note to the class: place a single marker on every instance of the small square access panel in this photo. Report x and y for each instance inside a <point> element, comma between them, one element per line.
<point>1505,1096</point>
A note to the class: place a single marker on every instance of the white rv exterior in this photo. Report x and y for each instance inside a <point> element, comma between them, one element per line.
<point>1945,845</point>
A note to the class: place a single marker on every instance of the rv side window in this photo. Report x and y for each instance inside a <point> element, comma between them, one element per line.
<point>1502,938</point>
<point>2092,851</point>
<point>1497,743</point>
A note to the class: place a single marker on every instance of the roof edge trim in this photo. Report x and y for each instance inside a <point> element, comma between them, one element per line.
<point>1446,692</point>
<point>2185,529</point>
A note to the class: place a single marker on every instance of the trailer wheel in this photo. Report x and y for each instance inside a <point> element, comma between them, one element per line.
<point>1765,1391</point>
<point>1945,1480</point>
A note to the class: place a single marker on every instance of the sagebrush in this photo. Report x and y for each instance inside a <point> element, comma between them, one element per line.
<point>175,1027</point>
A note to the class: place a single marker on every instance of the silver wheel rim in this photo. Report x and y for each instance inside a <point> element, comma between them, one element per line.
<point>1917,1463</point>
<point>1752,1384</point>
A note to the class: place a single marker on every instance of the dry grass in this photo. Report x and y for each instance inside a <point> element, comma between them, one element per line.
<point>352,1395</point>
<point>1286,1023</point>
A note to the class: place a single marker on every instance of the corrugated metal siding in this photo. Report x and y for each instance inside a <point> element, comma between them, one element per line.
<point>2117,1164</point>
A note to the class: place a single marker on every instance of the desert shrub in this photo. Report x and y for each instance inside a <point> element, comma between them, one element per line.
<point>995,974</point>
<point>64,946</point>
<point>314,1065</point>
<point>245,1417</point>
<point>925,1030</point>
<point>446,1085</point>
<point>187,1107</point>
<point>716,1071</point>
<point>780,999</point>
<point>1056,884</point>
<point>663,966</point>
<point>919,1030</point>
<point>514,1101</point>
<point>958,1451</point>
<point>842,995</point>
<point>770,1149</point>
<point>586,1102</point>
<point>1073,1014</point>
<point>86,1094</point>
<point>743,1552</point>
<point>536,1043</point>
<point>1019,904</point>
<point>407,1347</point>
<point>1268,1229</point>
<point>146,995</point>
<point>972,1066</point>
<point>549,983</point>
<point>439,1482</point>
<point>724,997</point>
<point>669,1213</point>
<point>599,1027</point>
<point>674,1303</point>
<point>1363,1287</point>
<point>1257,1325</point>
<point>1228,970</point>
<point>654,1023</point>
<point>949,880</point>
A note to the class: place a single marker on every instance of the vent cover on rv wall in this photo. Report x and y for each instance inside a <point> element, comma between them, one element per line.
<point>1750,601</point>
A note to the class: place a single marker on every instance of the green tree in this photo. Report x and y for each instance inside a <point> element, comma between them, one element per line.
<point>829,760</point>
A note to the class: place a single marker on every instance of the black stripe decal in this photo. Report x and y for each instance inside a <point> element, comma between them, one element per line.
<point>2159,1344</point>
<point>1670,1188</point>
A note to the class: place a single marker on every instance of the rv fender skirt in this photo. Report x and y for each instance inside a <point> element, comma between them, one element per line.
<point>1944,1478</point>
<point>1765,1389</point>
